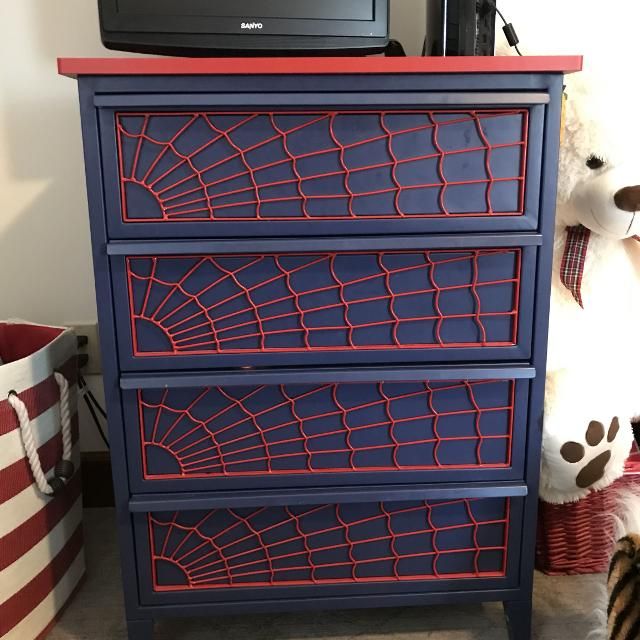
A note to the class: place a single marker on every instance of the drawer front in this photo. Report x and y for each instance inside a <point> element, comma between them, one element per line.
<point>241,435</point>
<point>314,550</point>
<point>186,311</point>
<point>193,173</point>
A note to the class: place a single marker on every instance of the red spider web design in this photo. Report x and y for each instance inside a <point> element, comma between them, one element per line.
<point>271,430</point>
<point>206,166</point>
<point>313,302</point>
<point>329,544</point>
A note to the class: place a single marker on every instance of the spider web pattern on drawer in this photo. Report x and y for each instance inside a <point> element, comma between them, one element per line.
<point>347,543</point>
<point>314,302</point>
<point>285,429</point>
<point>207,166</point>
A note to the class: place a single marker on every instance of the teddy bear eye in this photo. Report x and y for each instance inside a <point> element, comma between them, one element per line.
<point>595,162</point>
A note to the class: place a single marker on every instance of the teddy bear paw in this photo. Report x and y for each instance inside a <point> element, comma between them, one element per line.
<point>596,452</point>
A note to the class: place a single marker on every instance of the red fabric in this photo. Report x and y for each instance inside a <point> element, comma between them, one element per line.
<point>573,259</point>
<point>47,630</point>
<point>18,341</point>
<point>18,476</point>
<point>19,605</point>
<point>633,463</point>
<point>20,540</point>
<point>38,398</point>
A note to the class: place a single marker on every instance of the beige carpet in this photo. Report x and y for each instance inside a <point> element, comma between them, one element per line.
<point>563,610</point>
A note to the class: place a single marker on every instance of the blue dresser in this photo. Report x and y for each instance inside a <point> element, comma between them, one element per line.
<point>323,290</point>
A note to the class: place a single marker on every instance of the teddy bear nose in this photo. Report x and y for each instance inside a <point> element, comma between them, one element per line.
<point>628,198</point>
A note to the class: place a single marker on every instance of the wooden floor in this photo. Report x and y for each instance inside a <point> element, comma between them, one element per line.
<point>563,610</point>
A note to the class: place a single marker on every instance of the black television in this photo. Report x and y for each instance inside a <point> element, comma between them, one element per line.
<point>245,27</point>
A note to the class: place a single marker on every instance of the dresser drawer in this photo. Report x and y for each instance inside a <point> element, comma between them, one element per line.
<point>329,170</point>
<point>325,427</point>
<point>316,550</point>
<point>315,307</point>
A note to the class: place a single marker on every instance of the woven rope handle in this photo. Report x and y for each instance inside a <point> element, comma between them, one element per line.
<point>64,469</point>
<point>65,415</point>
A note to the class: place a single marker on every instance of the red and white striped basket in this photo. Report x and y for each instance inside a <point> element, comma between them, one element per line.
<point>576,538</point>
<point>41,549</point>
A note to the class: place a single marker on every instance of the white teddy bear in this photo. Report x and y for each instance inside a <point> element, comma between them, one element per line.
<point>593,385</point>
<point>593,352</point>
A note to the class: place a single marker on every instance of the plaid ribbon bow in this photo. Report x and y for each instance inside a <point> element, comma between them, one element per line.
<point>573,258</point>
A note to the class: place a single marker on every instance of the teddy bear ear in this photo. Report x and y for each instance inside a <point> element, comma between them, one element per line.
<point>595,161</point>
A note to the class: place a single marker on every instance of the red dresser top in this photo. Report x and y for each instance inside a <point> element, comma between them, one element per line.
<point>74,67</point>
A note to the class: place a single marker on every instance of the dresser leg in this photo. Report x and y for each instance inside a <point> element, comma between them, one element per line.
<point>140,629</point>
<point>518,614</point>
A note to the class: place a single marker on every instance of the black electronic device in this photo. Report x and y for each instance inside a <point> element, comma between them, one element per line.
<point>461,27</point>
<point>245,27</point>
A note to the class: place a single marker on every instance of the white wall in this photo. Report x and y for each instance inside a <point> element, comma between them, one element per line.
<point>45,266</point>
<point>45,260</point>
<point>408,23</point>
<point>45,272</point>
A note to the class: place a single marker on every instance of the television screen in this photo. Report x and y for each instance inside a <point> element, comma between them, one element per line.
<point>208,26</point>
<point>283,9</point>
